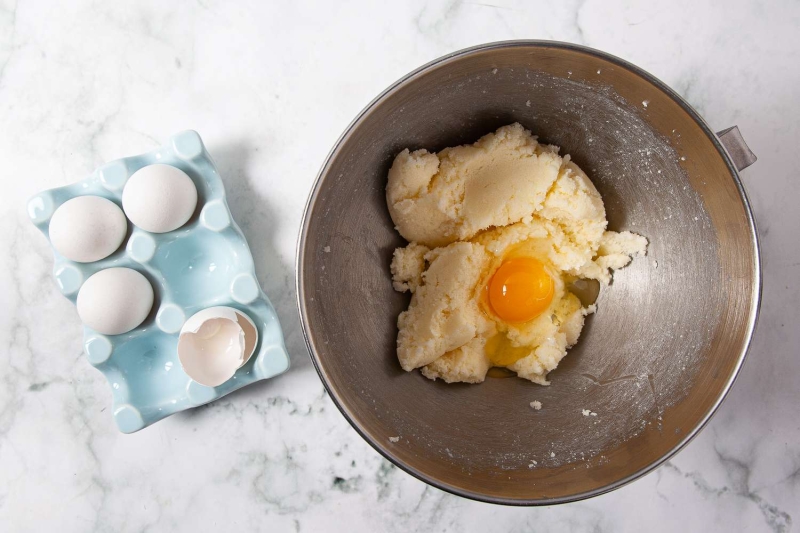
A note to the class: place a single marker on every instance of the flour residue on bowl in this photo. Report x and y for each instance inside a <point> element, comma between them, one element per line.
<point>638,355</point>
<point>628,396</point>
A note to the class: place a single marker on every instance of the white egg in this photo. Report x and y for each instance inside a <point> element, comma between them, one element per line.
<point>214,343</point>
<point>87,228</point>
<point>159,198</point>
<point>115,300</point>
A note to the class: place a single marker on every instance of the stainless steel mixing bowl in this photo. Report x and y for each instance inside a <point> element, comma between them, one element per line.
<point>670,332</point>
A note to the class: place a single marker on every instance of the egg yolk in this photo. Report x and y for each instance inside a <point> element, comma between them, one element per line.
<point>520,290</point>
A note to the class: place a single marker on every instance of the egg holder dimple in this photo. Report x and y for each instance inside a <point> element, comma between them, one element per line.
<point>204,263</point>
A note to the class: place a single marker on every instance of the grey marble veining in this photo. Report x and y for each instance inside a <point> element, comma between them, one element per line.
<point>270,87</point>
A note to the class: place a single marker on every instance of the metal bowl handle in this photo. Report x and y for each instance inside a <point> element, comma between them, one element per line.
<point>741,154</point>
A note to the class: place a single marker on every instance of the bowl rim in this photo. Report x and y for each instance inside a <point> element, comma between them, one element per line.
<point>752,319</point>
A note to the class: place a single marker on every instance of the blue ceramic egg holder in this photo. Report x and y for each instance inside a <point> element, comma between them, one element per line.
<point>204,263</point>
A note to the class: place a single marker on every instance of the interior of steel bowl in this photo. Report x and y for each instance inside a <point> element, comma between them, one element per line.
<point>670,331</point>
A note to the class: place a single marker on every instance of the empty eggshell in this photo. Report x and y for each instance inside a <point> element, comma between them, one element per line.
<point>115,300</point>
<point>159,198</point>
<point>87,228</point>
<point>214,343</point>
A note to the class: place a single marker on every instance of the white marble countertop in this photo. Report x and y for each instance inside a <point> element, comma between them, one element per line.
<point>270,88</point>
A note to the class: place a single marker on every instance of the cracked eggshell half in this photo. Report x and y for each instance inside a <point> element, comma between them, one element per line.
<point>214,343</point>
